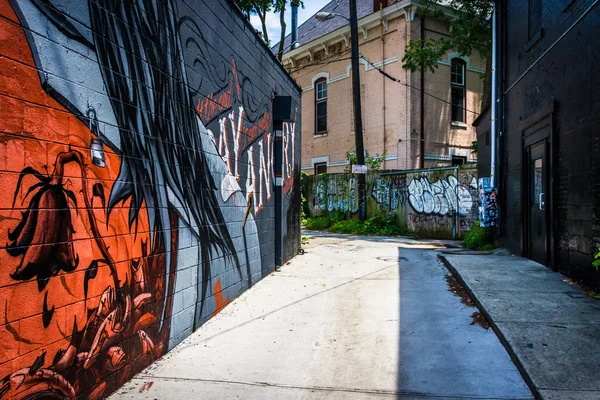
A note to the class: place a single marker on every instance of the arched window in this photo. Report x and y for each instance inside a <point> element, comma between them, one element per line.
<point>458,90</point>
<point>321,106</point>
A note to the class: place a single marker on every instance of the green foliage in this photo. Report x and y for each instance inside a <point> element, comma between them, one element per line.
<point>470,31</point>
<point>304,240</point>
<point>474,146</point>
<point>262,8</point>
<point>373,163</point>
<point>596,263</point>
<point>376,226</point>
<point>479,238</point>
<point>303,200</point>
<point>318,223</point>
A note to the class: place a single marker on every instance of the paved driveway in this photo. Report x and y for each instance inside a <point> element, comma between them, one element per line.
<point>353,318</point>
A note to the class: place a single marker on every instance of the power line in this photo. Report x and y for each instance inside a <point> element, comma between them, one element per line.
<point>551,47</point>
<point>299,68</point>
<point>411,86</point>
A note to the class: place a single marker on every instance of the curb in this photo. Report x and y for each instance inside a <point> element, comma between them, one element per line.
<point>513,356</point>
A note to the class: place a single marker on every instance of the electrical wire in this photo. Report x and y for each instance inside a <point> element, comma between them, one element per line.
<point>411,86</point>
<point>299,68</point>
<point>552,46</point>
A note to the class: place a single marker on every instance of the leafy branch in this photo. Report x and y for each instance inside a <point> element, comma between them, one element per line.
<point>373,163</point>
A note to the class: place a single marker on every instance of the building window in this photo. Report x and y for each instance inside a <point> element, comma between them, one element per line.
<point>458,160</point>
<point>321,106</point>
<point>458,90</point>
<point>320,168</point>
<point>535,17</point>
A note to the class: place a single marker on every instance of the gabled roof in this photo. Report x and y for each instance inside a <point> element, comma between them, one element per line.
<point>313,29</point>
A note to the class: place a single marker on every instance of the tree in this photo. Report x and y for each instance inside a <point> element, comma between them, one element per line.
<point>262,8</point>
<point>470,31</point>
<point>373,163</point>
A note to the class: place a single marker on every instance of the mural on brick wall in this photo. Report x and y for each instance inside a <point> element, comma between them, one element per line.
<point>424,200</point>
<point>137,171</point>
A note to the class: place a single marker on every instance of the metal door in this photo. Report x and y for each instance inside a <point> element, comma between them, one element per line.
<point>537,188</point>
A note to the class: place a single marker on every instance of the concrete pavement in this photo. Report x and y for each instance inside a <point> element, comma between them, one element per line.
<point>550,327</point>
<point>353,318</point>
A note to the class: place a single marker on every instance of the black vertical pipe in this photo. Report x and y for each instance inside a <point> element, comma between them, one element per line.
<point>500,49</point>
<point>422,127</point>
<point>358,127</point>
<point>294,25</point>
<point>278,171</point>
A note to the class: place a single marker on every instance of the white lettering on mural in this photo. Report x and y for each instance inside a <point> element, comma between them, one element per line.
<point>237,133</point>
<point>223,144</point>
<point>259,182</point>
<point>251,179</point>
<point>266,169</point>
<point>289,136</point>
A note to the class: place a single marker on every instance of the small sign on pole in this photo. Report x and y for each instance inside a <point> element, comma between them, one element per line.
<point>359,169</point>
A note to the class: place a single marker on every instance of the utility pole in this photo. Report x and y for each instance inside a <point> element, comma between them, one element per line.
<point>358,127</point>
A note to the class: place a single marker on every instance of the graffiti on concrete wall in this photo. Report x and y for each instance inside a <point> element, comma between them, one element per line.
<point>441,197</point>
<point>335,193</point>
<point>488,208</point>
<point>390,192</point>
<point>449,202</point>
<point>129,162</point>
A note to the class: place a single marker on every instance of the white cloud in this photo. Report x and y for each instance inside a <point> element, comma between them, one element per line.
<point>311,7</point>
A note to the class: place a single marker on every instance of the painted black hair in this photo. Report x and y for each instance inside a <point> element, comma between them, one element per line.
<point>141,60</point>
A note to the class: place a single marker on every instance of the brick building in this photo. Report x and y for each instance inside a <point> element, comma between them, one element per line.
<point>548,133</point>
<point>397,117</point>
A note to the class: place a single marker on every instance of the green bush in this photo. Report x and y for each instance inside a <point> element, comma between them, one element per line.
<point>377,226</point>
<point>596,263</point>
<point>318,223</point>
<point>350,226</point>
<point>479,238</point>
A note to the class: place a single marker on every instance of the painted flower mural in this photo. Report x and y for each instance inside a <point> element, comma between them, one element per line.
<point>44,236</point>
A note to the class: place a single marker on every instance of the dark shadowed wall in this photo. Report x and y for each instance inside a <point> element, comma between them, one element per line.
<point>559,97</point>
<point>138,197</point>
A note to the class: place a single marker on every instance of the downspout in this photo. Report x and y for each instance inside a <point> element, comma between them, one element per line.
<point>294,25</point>
<point>494,115</point>
<point>456,216</point>
<point>422,128</point>
<point>383,77</point>
<point>500,39</point>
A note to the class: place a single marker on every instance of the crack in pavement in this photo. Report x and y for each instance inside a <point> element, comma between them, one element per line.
<point>380,392</point>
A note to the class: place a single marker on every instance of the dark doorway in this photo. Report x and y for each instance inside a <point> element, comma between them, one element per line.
<point>537,170</point>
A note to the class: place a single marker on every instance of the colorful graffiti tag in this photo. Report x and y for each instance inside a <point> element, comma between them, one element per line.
<point>423,203</point>
<point>335,193</point>
<point>441,197</point>
<point>391,192</point>
<point>488,200</point>
<point>130,156</point>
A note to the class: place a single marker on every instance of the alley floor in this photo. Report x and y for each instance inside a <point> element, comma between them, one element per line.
<point>352,318</point>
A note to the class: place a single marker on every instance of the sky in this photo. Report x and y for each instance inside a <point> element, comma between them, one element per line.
<point>311,7</point>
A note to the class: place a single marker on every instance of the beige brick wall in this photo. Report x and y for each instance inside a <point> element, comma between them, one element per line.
<point>390,110</point>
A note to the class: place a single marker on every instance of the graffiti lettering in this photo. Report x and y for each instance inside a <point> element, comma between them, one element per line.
<point>488,199</point>
<point>390,192</point>
<point>428,221</point>
<point>441,197</point>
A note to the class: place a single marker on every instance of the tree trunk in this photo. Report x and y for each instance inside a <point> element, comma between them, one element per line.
<point>282,38</point>
<point>263,21</point>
